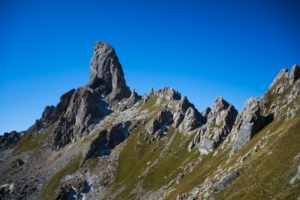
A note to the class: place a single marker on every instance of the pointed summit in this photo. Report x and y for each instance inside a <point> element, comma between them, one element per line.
<point>107,77</point>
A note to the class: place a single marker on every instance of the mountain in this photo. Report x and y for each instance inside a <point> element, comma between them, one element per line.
<point>103,141</point>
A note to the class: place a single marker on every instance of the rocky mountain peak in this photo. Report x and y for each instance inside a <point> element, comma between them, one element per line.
<point>102,141</point>
<point>284,79</point>
<point>248,123</point>
<point>295,74</point>
<point>107,77</point>
<point>220,120</point>
<point>283,73</point>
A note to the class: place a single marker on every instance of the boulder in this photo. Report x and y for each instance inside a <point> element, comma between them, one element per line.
<point>224,182</point>
<point>207,146</point>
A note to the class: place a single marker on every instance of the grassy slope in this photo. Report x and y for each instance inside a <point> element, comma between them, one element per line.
<point>29,142</point>
<point>54,182</point>
<point>265,174</point>
<point>272,168</point>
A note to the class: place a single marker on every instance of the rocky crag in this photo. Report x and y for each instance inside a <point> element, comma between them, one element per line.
<point>103,141</point>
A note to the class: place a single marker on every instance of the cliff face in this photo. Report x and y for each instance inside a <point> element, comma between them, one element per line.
<point>107,77</point>
<point>102,141</point>
<point>80,110</point>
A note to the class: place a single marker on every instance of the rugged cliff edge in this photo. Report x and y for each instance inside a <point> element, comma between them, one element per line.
<point>102,141</point>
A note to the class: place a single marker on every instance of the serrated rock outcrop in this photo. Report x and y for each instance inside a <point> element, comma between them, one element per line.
<point>220,121</point>
<point>247,124</point>
<point>107,140</point>
<point>164,118</point>
<point>180,110</point>
<point>124,146</point>
<point>10,140</point>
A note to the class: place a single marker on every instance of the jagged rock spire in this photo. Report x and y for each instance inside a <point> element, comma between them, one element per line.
<point>151,91</point>
<point>107,77</point>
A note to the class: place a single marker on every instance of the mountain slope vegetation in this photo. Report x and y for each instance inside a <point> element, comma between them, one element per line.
<point>103,141</point>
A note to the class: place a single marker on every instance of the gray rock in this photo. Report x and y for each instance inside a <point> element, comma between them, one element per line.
<point>79,110</point>
<point>222,112</point>
<point>295,74</point>
<point>248,123</point>
<point>10,140</point>
<point>107,140</point>
<point>296,177</point>
<point>205,112</point>
<point>85,109</point>
<point>183,105</point>
<point>224,182</point>
<point>131,101</point>
<point>207,146</point>
<point>107,77</point>
<point>151,91</point>
<point>220,121</point>
<point>295,92</point>
<point>168,93</point>
<point>180,110</point>
<point>192,120</point>
<point>62,105</point>
<point>282,74</point>
<point>163,118</point>
<point>47,115</point>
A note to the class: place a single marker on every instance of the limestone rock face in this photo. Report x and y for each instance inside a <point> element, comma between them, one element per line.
<point>222,111</point>
<point>295,92</point>
<point>220,121</point>
<point>275,100</point>
<point>180,110</point>
<point>192,120</point>
<point>47,115</point>
<point>131,101</point>
<point>107,77</point>
<point>295,74</point>
<point>85,109</point>
<point>248,123</point>
<point>283,74</point>
<point>186,116</point>
<point>62,105</point>
<point>164,118</point>
<point>205,112</point>
<point>80,110</point>
<point>107,140</point>
<point>284,79</point>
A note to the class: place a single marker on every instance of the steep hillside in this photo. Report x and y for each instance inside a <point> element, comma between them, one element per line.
<point>103,141</point>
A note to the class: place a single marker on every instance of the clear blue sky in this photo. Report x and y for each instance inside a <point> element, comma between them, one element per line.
<point>203,49</point>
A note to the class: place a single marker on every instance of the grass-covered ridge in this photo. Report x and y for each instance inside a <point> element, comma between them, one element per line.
<point>272,167</point>
<point>30,142</point>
